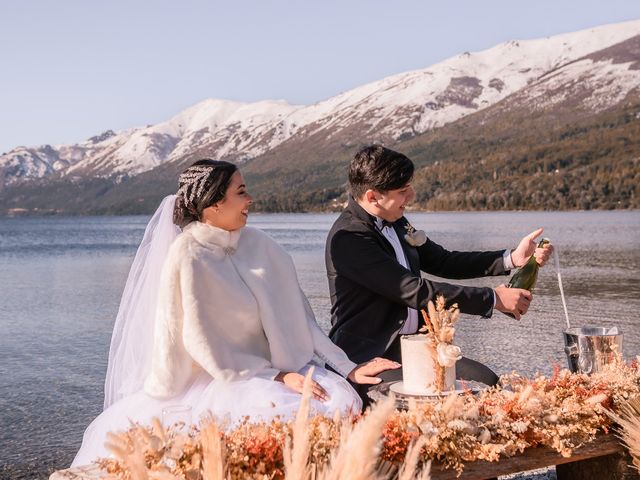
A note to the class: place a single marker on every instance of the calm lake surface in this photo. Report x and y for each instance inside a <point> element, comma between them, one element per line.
<point>61,281</point>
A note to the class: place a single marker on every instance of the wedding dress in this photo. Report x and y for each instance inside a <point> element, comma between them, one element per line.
<point>230,315</point>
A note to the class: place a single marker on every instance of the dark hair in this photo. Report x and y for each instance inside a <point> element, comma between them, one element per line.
<point>203,184</point>
<point>378,168</point>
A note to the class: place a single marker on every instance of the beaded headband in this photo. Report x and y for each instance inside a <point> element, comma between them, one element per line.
<point>193,181</point>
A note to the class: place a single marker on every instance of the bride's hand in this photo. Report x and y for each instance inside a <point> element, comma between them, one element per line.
<point>295,381</point>
<point>366,372</point>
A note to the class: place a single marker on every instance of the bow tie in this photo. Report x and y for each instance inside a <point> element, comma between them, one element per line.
<point>383,223</point>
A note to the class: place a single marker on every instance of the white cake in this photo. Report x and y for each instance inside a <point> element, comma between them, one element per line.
<point>418,369</point>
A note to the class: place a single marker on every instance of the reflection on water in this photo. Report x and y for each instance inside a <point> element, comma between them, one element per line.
<point>61,279</point>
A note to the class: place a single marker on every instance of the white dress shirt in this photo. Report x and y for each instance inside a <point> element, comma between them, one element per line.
<point>411,324</point>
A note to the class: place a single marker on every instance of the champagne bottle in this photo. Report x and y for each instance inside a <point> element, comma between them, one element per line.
<point>526,276</point>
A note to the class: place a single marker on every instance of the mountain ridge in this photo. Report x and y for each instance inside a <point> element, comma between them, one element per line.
<point>590,75</point>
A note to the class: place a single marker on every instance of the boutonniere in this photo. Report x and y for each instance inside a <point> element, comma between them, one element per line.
<point>414,237</point>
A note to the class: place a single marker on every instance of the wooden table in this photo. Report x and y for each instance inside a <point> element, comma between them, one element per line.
<point>603,459</point>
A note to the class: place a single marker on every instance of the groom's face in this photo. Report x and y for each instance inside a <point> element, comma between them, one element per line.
<point>391,204</point>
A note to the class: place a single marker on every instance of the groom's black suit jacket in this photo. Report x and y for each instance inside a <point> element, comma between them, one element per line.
<point>370,291</point>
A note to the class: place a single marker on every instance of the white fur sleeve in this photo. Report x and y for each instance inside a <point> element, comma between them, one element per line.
<point>324,348</point>
<point>199,336</point>
<point>170,362</point>
<point>206,324</point>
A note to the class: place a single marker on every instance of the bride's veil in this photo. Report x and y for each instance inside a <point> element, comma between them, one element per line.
<point>132,340</point>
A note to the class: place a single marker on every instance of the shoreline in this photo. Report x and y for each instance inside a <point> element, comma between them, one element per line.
<point>61,215</point>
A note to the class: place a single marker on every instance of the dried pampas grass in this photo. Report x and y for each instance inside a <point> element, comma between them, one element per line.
<point>410,465</point>
<point>213,453</point>
<point>296,457</point>
<point>628,418</point>
<point>357,455</point>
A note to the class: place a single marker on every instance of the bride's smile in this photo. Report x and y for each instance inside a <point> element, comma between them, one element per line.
<point>232,212</point>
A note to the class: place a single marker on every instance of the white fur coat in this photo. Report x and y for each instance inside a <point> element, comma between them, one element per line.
<point>230,303</point>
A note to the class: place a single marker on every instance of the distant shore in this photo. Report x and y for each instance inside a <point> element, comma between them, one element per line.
<point>42,213</point>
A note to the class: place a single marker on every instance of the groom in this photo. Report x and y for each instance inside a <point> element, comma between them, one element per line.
<point>374,272</point>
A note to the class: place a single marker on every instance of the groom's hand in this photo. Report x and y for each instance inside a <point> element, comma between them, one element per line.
<point>513,300</point>
<point>543,254</point>
<point>525,248</point>
<point>366,372</point>
<point>295,381</point>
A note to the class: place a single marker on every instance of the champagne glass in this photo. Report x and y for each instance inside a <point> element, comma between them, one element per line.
<point>177,416</point>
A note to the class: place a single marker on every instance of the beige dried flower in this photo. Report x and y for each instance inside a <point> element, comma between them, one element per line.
<point>459,425</point>
<point>519,426</point>
<point>440,332</point>
<point>428,429</point>
<point>597,399</point>
<point>484,436</point>
<point>446,334</point>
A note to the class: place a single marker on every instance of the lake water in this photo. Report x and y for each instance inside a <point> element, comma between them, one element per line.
<point>61,280</point>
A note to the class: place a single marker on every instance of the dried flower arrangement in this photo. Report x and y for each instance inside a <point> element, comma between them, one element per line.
<point>561,412</point>
<point>438,327</point>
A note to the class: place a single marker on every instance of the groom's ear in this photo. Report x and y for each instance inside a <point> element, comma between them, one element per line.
<point>371,196</point>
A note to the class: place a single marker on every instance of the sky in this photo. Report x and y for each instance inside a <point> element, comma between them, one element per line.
<point>71,69</point>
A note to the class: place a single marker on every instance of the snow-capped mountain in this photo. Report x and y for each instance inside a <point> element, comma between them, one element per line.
<point>582,87</point>
<point>597,67</point>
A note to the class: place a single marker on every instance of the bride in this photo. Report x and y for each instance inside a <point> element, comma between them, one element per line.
<point>213,317</point>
